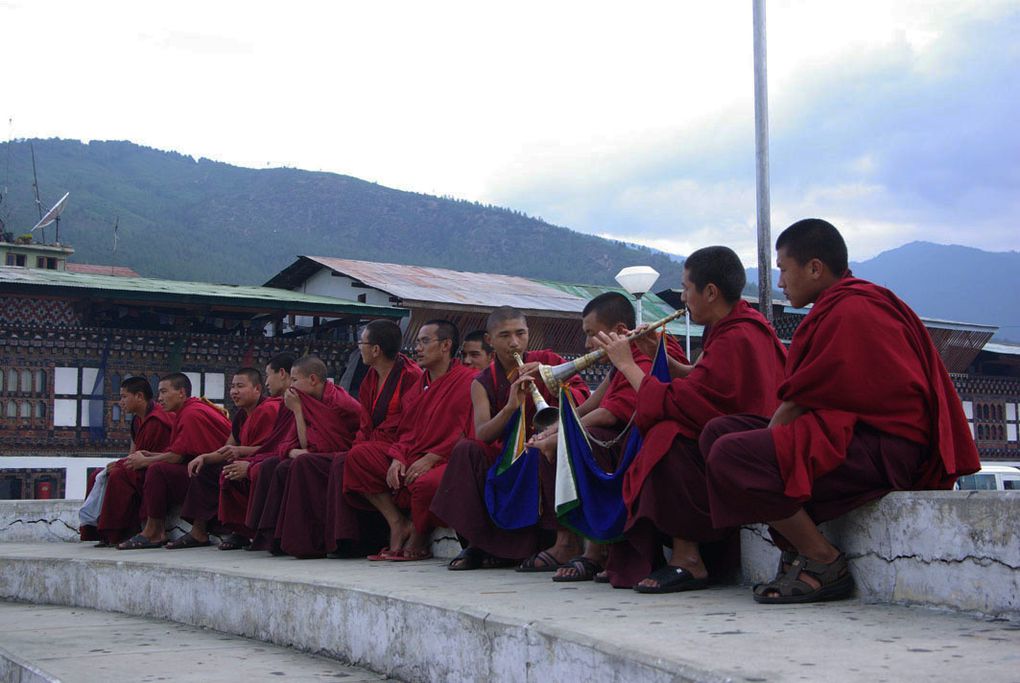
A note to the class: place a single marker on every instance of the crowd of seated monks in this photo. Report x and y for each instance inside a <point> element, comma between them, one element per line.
<point>684,451</point>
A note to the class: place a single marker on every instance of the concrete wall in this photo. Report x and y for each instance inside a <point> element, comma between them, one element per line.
<point>951,549</point>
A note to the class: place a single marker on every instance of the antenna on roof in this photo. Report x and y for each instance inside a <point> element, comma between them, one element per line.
<point>53,216</point>
<point>35,186</point>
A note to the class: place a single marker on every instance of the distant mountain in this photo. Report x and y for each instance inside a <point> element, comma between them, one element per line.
<point>947,282</point>
<point>205,220</point>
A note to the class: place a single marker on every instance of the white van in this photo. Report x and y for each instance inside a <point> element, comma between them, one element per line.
<point>991,478</point>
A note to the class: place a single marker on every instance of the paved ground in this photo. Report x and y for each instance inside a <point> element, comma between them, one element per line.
<point>82,645</point>
<point>720,632</point>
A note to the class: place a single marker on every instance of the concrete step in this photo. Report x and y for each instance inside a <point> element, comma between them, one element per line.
<point>420,622</point>
<point>86,646</point>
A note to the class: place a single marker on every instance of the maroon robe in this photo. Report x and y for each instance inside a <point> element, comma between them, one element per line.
<point>740,369</point>
<point>882,415</point>
<point>460,499</point>
<point>331,423</point>
<point>235,494</point>
<point>200,428</point>
<point>433,423</point>
<point>348,530</point>
<point>202,499</point>
<point>119,517</point>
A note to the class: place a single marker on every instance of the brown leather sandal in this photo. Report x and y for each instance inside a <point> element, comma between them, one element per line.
<point>834,578</point>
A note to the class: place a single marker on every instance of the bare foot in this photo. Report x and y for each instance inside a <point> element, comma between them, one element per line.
<point>400,534</point>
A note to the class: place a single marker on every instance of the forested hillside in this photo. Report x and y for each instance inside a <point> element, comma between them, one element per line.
<point>205,220</point>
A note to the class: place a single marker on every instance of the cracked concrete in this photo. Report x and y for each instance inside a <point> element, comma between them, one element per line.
<point>948,549</point>
<point>420,622</point>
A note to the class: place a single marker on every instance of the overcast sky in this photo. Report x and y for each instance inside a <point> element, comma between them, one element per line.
<point>893,119</point>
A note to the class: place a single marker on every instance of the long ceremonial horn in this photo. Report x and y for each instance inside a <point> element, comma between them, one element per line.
<point>555,375</point>
<point>545,415</point>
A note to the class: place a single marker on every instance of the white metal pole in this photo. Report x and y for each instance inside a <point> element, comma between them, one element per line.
<point>761,143</point>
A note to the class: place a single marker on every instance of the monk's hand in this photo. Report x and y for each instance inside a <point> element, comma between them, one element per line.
<point>617,348</point>
<point>292,399</point>
<point>420,467</point>
<point>518,391</point>
<point>195,466</point>
<point>236,470</point>
<point>295,452</point>
<point>394,473</point>
<point>136,461</point>
<point>230,453</point>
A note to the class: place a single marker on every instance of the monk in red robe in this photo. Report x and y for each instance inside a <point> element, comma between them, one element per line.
<point>606,416</point>
<point>405,475</point>
<point>150,431</point>
<point>326,419</point>
<point>496,394</point>
<point>664,489</point>
<point>391,383</point>
<point>475,352</point>
<point>200,427</point>
<point>251,425</point>
<point>238,477</point>
<point>867,408</point>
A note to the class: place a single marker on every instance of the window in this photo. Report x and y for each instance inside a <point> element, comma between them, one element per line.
<point>73,388</point>
<point>25,409</point>
<point>51,264</point>
<point>16,260</point>
<point>12,409</point>
<point>40,262</point>
<point>115,412</point>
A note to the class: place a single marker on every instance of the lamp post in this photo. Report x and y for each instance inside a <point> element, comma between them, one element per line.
<point>637,280</point>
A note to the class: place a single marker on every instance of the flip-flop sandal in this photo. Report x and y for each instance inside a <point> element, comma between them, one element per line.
<point>584,570</point>
<point>385,555</point>
<point>601,577</point>
<point>187,541</point>
<point>530,565</point>
<point>139,542</point>
<point>469,558</point>
<point>234,542</point>
<point>672,580</point>
<point>412,556</point>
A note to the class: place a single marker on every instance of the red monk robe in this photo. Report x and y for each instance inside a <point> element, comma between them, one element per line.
<point>433,423</point>
<point>331,423</point>
<point>460,500</point>
<point>620,399</point>
<point>119,517</point>
<point>352,531</point>
<point>236,495</point>
<point>740,369</point>
<point>200,428</point>
<point>202,500</point>
<point>882,414</point>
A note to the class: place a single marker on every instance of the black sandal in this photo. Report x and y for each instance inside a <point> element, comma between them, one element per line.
<point>139,542</point>
<point>549,563</point>
<point>234,542</point>
<point>469,558</point>
<point>672,580</point>
<point>585,570</point>
<point>834,578</point>
<point>187,541</point>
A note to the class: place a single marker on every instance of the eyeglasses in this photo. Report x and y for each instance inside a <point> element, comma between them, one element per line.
<point>425,341</point>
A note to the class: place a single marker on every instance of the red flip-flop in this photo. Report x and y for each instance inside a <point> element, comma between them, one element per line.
<point>386,555</point>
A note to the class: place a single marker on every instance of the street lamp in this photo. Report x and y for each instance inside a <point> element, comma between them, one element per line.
<point>637,280</point>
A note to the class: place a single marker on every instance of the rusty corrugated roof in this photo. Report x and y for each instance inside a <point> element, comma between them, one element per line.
<point>453,287</point>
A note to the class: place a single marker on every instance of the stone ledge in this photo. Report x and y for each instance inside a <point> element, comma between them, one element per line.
<point>947,549</point>
<point>56,520</point>
<point>14,670</point>
<point>420,622</point>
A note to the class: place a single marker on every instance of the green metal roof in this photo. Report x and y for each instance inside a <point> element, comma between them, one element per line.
<point>40,281</point>
<point>652,307</point>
